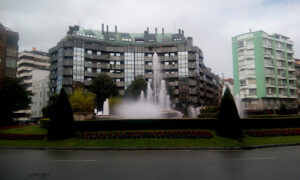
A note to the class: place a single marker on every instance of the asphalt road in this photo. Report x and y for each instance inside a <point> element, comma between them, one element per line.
<point>276,163</point>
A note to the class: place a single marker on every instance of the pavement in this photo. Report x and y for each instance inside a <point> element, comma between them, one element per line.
<point>270,163</point>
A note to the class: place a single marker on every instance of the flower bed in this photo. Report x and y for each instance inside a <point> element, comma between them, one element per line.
<point>146,134</point>
<point>273,132</point>
<point>22,136</point>
<point>11,127</point>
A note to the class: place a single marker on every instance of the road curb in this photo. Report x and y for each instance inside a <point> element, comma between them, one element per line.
<point>153,148</point>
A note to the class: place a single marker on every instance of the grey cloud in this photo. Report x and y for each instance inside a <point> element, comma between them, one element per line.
<point>42,23</point>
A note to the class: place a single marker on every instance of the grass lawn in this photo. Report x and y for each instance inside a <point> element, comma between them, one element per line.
<point>216,141</point>
<point>30,129</point>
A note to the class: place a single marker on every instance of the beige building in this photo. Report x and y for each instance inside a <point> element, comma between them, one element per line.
<point>28,62</point>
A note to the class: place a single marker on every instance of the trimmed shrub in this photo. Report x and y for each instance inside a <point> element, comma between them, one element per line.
<point>61,120</point>
<point>228,123</point>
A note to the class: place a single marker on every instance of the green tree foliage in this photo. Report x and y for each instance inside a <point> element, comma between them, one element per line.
<point>13,97</point>
<point>47,110</point>
<point>228,124</point>
<point>133,91</point>
<point>82,101</point>
<point>103,87</point>
<point>61,119</point>
<point>113,103</point>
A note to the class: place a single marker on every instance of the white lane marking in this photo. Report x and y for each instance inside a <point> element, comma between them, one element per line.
<point>258,158</point>
<point>73,160</point>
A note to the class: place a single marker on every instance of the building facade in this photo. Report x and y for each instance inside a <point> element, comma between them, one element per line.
<point>8,52</point>
<point>28,63</point>
<point>297,69</point>
<point>82,54</point>
<point>40,91</point>
<point>264,73</point>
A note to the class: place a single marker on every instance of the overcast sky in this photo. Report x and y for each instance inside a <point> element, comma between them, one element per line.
<point>211,23</point>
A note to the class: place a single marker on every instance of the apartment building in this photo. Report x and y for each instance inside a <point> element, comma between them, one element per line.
<point>84,53</point>
<point>264,72</point>
<point>8,52</point>
<point>28,63</point>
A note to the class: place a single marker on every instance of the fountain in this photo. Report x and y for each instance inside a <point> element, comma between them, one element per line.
<point>105,111</point>
<point>156,103</point>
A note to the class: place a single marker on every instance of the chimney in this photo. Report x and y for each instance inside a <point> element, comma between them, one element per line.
<point>179,31</point>
<point>148,30</point>
<point>163,31</point>
<point>102,28</point>
<point>155,30</point>
<point>116,29</point>
<point>106,28</point>
<point>182,32</point>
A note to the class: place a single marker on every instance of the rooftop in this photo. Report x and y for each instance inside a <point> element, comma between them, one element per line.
<point>116,36</point>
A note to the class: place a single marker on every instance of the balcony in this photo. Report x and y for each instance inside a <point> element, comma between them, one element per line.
<point>67,62</point>
<point>68,52</point>
<point>192,65</point>
<point>68,72</point>
<point>170,75</point>
<point>192,73</point>
<point>192,82</point>
<point>90,74</point>
<point>115,75</point>
<point>116,58</point>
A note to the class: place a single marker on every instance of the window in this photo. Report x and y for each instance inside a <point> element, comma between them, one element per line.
<point>111,54</point>
<point>10,62</point>
<point>89,51</point>
<point>268,51</point>
<point>111,62</point>
<point>183,64</point>
<point>118,62</point>
<point>118,54</point>
<point>172,54</point>
<point>249,42</point>
<point>78,64</point>
<point>98,70</point>
<point>89,69</point>
<point>240,44</point>
<point>149,55</point>
<point>243,82</point>
<point>166,54</point>
<point>98,52</point>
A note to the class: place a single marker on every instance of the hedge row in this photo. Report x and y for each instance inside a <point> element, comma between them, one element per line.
<point>11,127</point>
<point>22,136</point>
<point>273,132</point>
<point>146,134</point>
<point>144,124</point>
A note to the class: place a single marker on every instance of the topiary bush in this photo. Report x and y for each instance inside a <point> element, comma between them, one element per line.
<point>228,122</point>
<point>61,124</point>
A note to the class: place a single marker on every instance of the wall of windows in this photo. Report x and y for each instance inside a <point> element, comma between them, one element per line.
<point>183,64</point>
<point>78,64</point>
<point>139,64</point>
<point>129,68</point>
<point>59,70</point>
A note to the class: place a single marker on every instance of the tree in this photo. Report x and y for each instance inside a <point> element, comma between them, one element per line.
<point>82,101</point>
<point>47,110</point>
<point>13,97</point>
<point>103,87</point>
<point>61,119</point>
<point>228,123</point>
<point>133,91</point>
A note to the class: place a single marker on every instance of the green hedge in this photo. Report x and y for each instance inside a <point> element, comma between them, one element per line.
<point>207,123</point>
